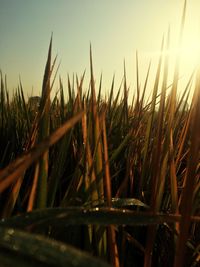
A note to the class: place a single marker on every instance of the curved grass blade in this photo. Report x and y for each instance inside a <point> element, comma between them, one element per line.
<point>97,216</point>
<point>13,171</point>
<point>127,202</point>
<point>44,250</point>
<point>118,203</point>
<point>9,259</point>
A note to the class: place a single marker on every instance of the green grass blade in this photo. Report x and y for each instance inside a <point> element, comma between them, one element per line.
<point>45,251</point>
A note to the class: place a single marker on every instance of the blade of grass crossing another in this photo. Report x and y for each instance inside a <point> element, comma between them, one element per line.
<point>13,171</point>
<point>188,191</point>
<point>108,193</point>
<point>43,132</point>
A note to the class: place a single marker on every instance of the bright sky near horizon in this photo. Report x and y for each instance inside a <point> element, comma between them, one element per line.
<point>116,29</point>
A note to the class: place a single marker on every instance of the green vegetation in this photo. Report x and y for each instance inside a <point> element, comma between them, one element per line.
<point>119,182</point>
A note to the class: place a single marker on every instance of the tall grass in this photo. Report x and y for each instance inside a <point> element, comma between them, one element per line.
<point>116,180</point>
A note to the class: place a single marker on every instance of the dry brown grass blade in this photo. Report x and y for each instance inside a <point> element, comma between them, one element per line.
<point>32,196</point>
<point>159,139</point>
<point>173,177</point>
<point>160,163</point>
<point>99,91</point>
<point>125,101</point>
<point>14,170</point>
<point>108,193</point>
<point>90,176</point>
<point>97,149</point>
<point>138,85</point>
<point>96,132</point>
<point>193,161</point>
<point>9,205</point>
<point>107,179</point>
<point>145,87</point>
<point>151,116</point>
<point>183,137</point>
<point>78,102</point>
<point>173,96</point>
<point>151,229</point>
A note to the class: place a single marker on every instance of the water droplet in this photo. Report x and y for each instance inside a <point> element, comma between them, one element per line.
<point>10,231</point>
<point>15,247</point>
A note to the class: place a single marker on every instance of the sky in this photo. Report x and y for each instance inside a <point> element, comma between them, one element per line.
<point>115,28</point>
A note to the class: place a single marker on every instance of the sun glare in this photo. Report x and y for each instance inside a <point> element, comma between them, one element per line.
<point>189,53</point>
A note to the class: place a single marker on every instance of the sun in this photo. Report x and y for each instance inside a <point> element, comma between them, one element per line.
<point>188,49</point>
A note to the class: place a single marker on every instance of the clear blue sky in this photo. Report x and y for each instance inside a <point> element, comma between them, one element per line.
<point>116,28</point>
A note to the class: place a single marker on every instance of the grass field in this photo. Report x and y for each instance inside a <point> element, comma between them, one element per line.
<point>90,180</point>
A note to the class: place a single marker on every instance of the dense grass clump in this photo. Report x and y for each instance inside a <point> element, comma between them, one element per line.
<point>116,180</point>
